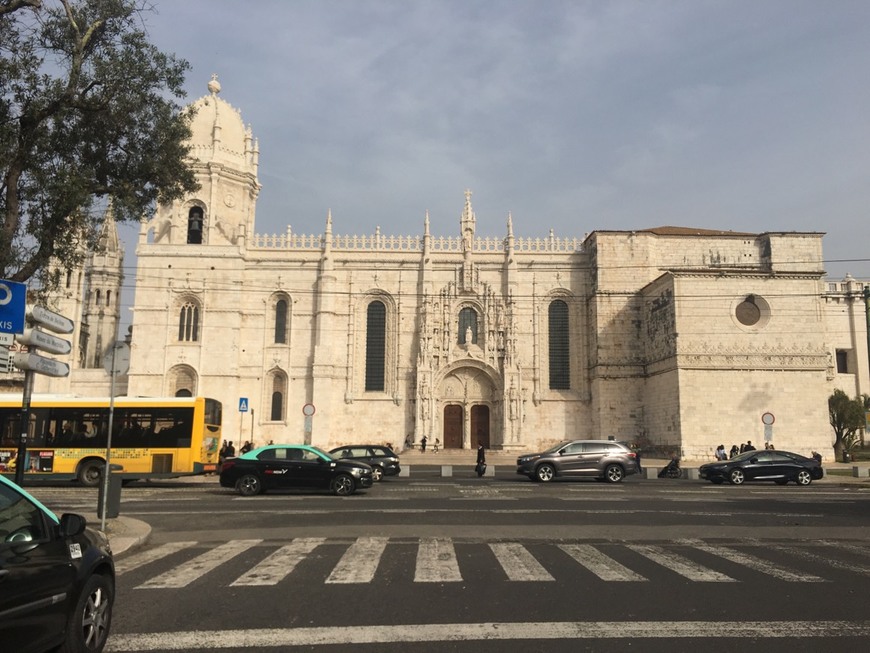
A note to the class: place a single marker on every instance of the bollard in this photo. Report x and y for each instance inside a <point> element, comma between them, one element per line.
<point>446,470</point>
<point>113,498</point>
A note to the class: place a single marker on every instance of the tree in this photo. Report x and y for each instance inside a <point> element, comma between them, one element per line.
<point>847,418</point>
<point>88,113</point>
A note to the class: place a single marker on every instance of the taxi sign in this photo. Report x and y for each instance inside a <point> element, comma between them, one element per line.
<point>13,300</point>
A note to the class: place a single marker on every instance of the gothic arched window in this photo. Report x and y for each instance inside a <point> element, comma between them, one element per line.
<point>560,361</point>
<point>467,320</point>
<point>281,322</point>
<point>188,323</point>
<point>276,412</point>
<point>194,226</point>
<point>376,350</point>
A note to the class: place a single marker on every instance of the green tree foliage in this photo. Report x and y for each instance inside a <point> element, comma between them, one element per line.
<point>88,112</point>
<point>847,418</point>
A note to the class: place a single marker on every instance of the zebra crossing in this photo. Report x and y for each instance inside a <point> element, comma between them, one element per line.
<point>443,560</point>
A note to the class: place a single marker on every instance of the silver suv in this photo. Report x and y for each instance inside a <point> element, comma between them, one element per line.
<point>599,459</point>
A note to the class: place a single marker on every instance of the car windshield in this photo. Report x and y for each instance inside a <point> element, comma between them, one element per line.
<point>323,453</point>
<point>558,446</point>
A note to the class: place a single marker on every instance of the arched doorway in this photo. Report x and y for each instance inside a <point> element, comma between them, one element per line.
<point>468,396</point>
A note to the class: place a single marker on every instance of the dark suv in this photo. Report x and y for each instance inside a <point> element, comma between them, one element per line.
<point>57,578</point>
<point>384,461</point>
<point>599,459</point>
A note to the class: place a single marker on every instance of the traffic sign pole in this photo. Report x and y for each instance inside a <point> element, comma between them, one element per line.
<point>21,456</point>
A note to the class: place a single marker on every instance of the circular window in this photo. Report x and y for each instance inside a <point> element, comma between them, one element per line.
<point>752,311</point>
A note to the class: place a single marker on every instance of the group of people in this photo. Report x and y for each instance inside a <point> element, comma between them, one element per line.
<point>409,443</point>
<point>721,454</point>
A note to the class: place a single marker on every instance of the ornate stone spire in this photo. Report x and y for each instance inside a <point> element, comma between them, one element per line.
<point>467,223</point>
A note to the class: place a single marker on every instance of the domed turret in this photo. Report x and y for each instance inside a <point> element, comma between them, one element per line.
<point>219,135</point>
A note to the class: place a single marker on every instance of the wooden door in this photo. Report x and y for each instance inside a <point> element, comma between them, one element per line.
<point>480,425</point>
<point>453,416</point>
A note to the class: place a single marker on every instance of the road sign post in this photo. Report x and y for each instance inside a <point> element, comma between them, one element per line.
<point>31,362</point>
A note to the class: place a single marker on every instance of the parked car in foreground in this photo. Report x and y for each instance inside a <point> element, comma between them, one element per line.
<point>600,459</point>
<point>769,465</point>
<point>287,466</point>
<point>57,578</point>
<point>383,460</point>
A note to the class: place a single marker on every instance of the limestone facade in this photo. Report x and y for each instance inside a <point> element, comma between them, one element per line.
<point>674,338</point>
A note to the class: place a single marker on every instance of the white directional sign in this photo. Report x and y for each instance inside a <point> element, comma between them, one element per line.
<point>5,360</point>
<point>40,364</point>
<point>41,340</point>
<point>49,319</point>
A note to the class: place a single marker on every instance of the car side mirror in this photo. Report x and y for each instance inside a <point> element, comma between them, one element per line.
<point>72,524</point>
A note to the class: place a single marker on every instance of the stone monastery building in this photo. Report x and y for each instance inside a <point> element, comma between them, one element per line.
<point>670,337</point>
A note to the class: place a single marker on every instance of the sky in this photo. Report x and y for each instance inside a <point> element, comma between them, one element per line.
<point>570,115</point>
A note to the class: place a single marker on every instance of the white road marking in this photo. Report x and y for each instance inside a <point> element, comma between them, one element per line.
<point>854,548</point>
<point>275,567</point>
<point>751,562</point>
<point>185,574</point>
<point>134,562</point>
<point>518,563</point>
<point>360,562</point>
<point>680,564</point>
<point>470,632</point>
<point>805,554</point>
<point>436,562</point>
<point>603,566</point>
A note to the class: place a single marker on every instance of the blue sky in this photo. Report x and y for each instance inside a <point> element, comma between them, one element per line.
<point>571,115</point>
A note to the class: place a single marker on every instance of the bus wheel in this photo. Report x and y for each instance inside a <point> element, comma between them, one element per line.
<point>89,472</point>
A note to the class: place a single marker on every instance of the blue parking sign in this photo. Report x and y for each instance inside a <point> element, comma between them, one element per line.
<point>243,404</point>
<point>13,306</point>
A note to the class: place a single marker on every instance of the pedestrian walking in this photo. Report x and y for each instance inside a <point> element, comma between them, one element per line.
<point>480,467</point>
<point>423,441</point>
<point>231,450</point>
<point>734,451</point>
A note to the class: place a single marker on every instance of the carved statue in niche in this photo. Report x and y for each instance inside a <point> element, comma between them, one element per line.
<point>513,402</point>
<point>424,400</point>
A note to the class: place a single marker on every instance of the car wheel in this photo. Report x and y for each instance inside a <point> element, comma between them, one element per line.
<point>343,485</point>
<point>89,623</point>
<point>377,473</point>
<point>89,473</point>
<point>249,485</point>
<point>545,473</point>
<point>737,476</point>
<point>781,481</point>
<point>716,481</point>
<point>804,477</point>
<point>614,473</point>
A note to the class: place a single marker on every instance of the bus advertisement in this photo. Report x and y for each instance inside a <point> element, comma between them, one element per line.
<point>151,437</point>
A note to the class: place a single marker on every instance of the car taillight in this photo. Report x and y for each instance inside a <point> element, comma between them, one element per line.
<point>631,454</point>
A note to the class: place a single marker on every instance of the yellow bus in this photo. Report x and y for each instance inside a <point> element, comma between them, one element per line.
<point>151,437</point>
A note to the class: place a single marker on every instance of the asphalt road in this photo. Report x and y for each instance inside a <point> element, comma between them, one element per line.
<point>494,565</point>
